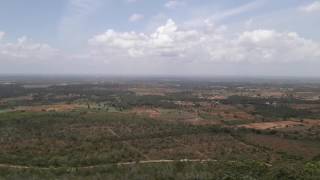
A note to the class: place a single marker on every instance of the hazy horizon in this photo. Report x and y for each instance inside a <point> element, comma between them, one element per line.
<point>55,79</point>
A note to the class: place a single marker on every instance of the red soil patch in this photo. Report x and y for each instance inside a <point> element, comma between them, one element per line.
<point>55,107</point>
<point>230,112</point>
<point>271,125</point>
<point>152,113</point>
<point>311,122</point>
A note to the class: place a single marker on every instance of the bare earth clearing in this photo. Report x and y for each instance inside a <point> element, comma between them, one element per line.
<point>271,125</point>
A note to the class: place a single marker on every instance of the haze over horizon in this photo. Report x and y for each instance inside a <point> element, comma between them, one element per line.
<point>161,37</point>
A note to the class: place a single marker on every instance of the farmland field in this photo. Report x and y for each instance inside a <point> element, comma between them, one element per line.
<point>158,130</point>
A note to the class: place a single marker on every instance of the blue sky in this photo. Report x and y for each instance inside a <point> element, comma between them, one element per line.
<point>178,37</point>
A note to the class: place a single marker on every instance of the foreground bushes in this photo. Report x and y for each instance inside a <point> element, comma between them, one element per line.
<point>179,170</point>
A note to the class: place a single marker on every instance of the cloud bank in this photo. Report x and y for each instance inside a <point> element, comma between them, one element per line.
<point>171,42</point>
<point>25,49</point>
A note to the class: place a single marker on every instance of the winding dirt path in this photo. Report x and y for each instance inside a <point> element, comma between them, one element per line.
<point>117,164</point>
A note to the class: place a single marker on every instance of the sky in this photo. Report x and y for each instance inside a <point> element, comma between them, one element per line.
<point>161,37</point>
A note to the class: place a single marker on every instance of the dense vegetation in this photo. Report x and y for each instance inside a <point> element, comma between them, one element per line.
<point>179,171</point>
<point>179,129</point>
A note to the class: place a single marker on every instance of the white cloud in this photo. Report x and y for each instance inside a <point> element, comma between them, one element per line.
<point>25,48</point>
<point>271,46</point>
<point>171,42</point>
<point>313,7</point>
<point>166,41</point>
<point>136,17</point>
<point>174,4</point>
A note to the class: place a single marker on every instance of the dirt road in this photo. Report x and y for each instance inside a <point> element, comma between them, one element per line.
<point>118,164</point>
